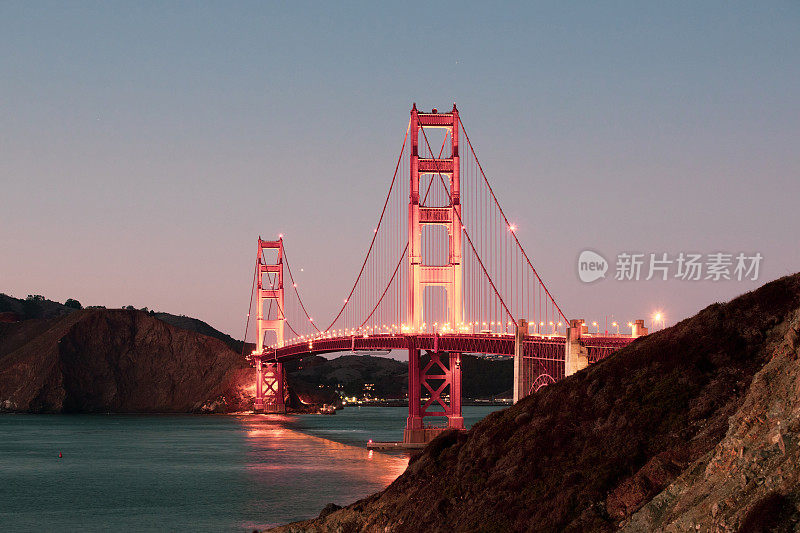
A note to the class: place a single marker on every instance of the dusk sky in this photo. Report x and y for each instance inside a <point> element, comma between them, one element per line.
<point>144,146</point>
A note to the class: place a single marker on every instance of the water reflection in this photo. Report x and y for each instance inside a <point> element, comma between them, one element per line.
<point>293,472</point>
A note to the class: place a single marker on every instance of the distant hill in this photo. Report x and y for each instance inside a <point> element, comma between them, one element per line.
<point>388,377</point>
<point>115,360</point>
<point>350,373</point>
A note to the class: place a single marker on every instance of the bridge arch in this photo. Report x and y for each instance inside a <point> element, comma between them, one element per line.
<point>542,380</point>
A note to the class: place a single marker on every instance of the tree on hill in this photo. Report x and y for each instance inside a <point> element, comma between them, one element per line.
<point>73,303</point>
<point>32,306</point>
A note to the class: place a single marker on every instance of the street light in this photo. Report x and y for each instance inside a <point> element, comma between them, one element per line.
<point>659,318</point>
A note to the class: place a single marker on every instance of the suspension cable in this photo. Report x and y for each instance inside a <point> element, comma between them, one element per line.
<point>466,234</point>
<point>497,203</point>
<point>249,309</point>
<point>277,305</point>
<point>405,250</point>
<point>375,234</point>
<point>296,291</point>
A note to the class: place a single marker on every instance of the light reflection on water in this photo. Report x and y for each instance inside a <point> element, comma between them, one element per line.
<point>299,468</point>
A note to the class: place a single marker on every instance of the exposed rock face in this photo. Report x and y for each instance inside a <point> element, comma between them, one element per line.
<point>101,360</point>
<point>691,428</point>
<point>750,481</point>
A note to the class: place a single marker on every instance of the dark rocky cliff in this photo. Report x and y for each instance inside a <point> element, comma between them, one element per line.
<point>691,428</point>
<point>99,360</point>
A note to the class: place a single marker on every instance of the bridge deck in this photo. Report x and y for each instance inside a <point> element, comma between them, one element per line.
<point>540,347</point>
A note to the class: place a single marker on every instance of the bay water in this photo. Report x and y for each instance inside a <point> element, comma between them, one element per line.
<point>199,473</point>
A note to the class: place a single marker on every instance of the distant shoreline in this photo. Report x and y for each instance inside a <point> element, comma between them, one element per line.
<point>404,403</point>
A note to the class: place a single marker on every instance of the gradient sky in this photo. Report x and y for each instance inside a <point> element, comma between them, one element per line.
<point>145,145</point>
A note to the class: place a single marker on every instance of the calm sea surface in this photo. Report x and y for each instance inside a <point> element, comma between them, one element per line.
<point>204,473</point>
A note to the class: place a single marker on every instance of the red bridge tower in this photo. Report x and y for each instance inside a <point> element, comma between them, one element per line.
<point>443,370</point>
<point>270,379</point>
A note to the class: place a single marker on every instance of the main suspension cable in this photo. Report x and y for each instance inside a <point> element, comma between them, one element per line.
<point>296,291</point>
<point>375,234</point>
<point>250,309</point>
<point>505,219</point>
<point>466,234</point>
<point>405,250</point>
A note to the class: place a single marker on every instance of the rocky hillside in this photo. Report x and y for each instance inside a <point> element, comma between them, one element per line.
<point>99,360</point>
<point>691,428</point>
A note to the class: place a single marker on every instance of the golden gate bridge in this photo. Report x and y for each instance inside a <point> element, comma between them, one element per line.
<point>444,274</point>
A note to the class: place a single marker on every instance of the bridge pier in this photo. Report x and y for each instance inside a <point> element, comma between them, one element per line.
<point>414,420</point>
<point>270,387</point>
<point>437,379</point>
<point>521,387</point>
<point>258,406</point>
<point>455,420</point>
<point>576,355</point>
<point>638,329</point>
